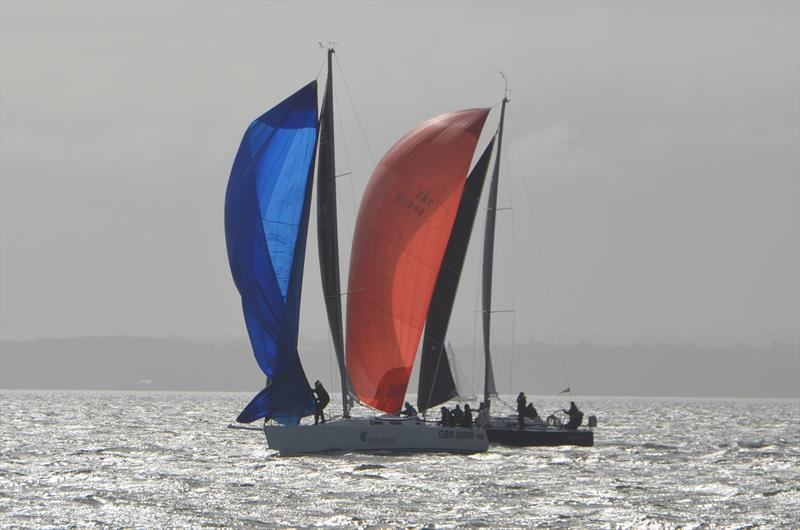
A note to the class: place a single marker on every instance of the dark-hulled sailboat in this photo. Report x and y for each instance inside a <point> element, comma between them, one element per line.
<point>436,384</point>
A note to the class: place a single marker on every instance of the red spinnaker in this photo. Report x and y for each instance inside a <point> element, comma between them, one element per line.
<point>404,223</point>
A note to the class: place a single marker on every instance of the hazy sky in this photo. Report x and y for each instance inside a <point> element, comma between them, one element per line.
<point>655,144</point>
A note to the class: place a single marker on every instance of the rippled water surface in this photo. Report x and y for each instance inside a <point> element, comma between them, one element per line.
<point>167,459</point>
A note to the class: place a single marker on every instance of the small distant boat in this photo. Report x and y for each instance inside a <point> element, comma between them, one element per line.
<point>403,226</point>
<point>436,383</point>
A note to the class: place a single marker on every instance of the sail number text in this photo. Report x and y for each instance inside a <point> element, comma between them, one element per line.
<point>416,204</point>
<point>458,435</point>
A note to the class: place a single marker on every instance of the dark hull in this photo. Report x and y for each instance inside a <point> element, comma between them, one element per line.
<point>541,437</point>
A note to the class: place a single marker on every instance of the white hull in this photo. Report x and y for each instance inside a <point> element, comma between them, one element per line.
<point>382,434</point>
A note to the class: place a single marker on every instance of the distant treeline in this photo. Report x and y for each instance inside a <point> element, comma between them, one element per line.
<point>129,363</point>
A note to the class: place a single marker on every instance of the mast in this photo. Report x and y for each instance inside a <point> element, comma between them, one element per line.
<point>328,233</point>
<point>488,257</point>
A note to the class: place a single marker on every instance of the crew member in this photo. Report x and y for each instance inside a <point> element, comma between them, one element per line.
<point>483,415</point>
<point>457,416</point>
<point>521,401</point>
<point>409,410</point>
<point>575,416</point>
<point>467,421</point>
<point>322,400</point>
<point>445,421</point>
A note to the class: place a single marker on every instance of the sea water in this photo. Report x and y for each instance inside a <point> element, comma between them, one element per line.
<point>75,459</point>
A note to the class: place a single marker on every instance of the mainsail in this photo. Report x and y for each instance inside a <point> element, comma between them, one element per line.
<point>488,257</point>
<point>436,382</point>
<point>266,223</point>
<point>403,226</point>
<point>327,230</point>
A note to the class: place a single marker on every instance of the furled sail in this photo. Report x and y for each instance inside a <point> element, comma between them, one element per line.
<point>436,382</point>
<point>403,226</point>
<point>266,223</point>
<point>488,258</point>
<point>328,231</point>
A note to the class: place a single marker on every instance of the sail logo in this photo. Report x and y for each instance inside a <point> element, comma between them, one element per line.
<point>376,440</point>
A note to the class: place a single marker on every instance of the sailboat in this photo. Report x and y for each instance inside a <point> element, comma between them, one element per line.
<point>403,225</point>
<point>436,383</point>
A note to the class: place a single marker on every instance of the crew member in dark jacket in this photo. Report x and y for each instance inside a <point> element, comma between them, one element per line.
<point>322,401</point>
<point>457,416</point>
<point>575,416</point>
<point>467,421</point>
<point>409,410</point>
<point>521,401</point>
<point>445,421</point>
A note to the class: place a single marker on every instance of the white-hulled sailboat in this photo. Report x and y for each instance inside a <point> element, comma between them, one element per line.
<point>403,226</point>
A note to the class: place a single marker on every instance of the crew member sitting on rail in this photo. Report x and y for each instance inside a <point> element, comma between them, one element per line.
<point>409,410</point>
<point>530,412</point>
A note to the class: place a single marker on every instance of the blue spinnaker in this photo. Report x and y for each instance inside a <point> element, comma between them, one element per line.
<point>266,222</point>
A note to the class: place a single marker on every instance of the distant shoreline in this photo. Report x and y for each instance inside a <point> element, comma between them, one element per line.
<point>334,395</point>
<point>132,364</point>
<point>532,397</point>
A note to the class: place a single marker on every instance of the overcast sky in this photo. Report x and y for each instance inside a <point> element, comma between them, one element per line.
<point>655,146</point>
